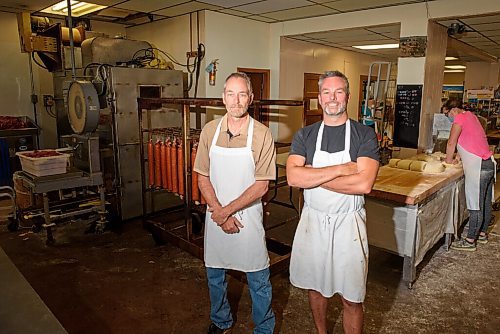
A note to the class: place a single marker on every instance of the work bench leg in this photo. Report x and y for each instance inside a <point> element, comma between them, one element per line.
<point>447,241</point>
<point>409,271</point>
<point>101,224</point>
<point>48,224</point>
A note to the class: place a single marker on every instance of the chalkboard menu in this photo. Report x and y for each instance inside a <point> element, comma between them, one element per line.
<point>407,115</point>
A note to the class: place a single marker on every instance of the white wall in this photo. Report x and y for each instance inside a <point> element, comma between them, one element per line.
<point>14,70</point>
<point>111,29</point>
<point>172,36</point>
<point>236,43</point>
<point>481,75</point>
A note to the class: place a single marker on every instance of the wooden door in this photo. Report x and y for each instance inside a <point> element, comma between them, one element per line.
<point>260,86</point>
<point>312,109</point>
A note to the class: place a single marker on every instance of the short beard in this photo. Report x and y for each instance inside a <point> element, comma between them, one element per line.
<point>340,110</point>
<point>237,111</point>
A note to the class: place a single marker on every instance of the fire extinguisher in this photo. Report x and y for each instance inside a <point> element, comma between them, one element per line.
<point>211,70</point>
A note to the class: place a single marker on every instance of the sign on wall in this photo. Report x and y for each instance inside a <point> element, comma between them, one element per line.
<point>407,115</point>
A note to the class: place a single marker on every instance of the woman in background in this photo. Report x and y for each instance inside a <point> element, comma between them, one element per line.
<point>468,137</point>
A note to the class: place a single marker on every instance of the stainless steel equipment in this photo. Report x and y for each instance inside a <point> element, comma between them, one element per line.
<point>128,84</point>
<point>118,129</point>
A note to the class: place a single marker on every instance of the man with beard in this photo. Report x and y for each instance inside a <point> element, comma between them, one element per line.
<point>235,161</point>
<point>336,162</point>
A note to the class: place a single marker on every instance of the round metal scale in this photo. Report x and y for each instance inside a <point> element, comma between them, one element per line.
<point>83,107</point>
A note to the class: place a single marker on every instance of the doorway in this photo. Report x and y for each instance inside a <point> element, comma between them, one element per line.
<point>312,110</point>
<point>260,79</point>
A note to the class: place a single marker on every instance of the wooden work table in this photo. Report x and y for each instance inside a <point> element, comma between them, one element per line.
<point>409,187</point>
<point>409,212</point>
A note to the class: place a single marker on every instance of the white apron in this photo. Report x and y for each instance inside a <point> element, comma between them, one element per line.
<point>330,248</point>
<point>472,171</point>
<point>232,171</point>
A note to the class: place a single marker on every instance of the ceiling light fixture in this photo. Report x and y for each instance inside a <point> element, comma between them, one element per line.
<point>455,67</point>
<point>450,58</point>
<point>78,8</point>
<point>376,46</point>
<point>454,71</point>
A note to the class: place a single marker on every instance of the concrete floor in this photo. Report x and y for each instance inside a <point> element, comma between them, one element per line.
<point>121,282</point>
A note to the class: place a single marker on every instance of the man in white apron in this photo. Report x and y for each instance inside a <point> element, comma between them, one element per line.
<point>468,137</point>
<point>336,162</point>
<point>235,161</point>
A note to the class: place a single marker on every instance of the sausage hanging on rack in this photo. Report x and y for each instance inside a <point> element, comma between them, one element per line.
<point>195,192</point>
<point>180,167</point>
<point>163,165</point>
<point>158,164</point>
<point>168,166</point>
<point>151,166</point>
<point>173,157</point>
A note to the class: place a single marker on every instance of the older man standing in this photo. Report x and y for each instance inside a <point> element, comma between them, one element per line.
<point>236,160</point>
<point>336,162</point>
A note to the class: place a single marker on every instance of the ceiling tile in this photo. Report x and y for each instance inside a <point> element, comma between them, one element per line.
<point>261,18</point>
<point>390,29</point>
<point>27,5</point>
<point>115,12</point>
<point>482,19</point>
<point>101,2</point>
<point>324,1</point>
<point>486,44</point>
<point>234,12</point>
<point>185,8</point>
<point>349,5</point>
<point>341,34</point>
<point>228,3</point>
<point>150,5</point>
<point>491,33</point>
<point>302,12</point>
<point>300,37</point>
<point>486,26</point>
<point>267,6</point>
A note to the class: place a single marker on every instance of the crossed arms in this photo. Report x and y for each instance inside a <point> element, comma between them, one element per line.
<point>351,178</point>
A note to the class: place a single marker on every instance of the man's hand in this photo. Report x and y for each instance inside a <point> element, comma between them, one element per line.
<point>348,168</point>
<point>231,226</point>
<point>219,214</point>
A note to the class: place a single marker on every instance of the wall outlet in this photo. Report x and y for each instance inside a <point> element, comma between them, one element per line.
<point>48,100</point>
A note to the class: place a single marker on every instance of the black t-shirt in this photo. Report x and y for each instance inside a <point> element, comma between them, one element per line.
<point>363,141</point>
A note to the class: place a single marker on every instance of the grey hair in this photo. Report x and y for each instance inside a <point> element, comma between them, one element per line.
<point>243,76</point>
<point>332,74</point>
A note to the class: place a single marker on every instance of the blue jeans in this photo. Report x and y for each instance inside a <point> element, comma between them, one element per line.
<point>480,219</point>
<point>260,291</point>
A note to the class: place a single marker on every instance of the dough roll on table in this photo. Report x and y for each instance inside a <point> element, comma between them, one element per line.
<point>393,163</point>
<point>404,164</point>
<point>434,167</point>
<point>418,166</point>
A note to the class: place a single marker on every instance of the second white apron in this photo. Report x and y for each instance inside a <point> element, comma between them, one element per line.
<point>330,247</point>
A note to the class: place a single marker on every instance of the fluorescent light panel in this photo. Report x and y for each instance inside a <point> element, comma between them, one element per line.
<point>376,46</point>
<point>450,58</point>
<point>455,67</point>
<point>78,8</point>
<point>454,71</point>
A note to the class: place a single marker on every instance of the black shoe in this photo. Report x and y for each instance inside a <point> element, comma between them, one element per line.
<point>212,329</point>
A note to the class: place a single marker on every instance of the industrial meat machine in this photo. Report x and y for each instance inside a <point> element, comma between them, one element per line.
<point>118,87</point>
<point>67,182</point>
